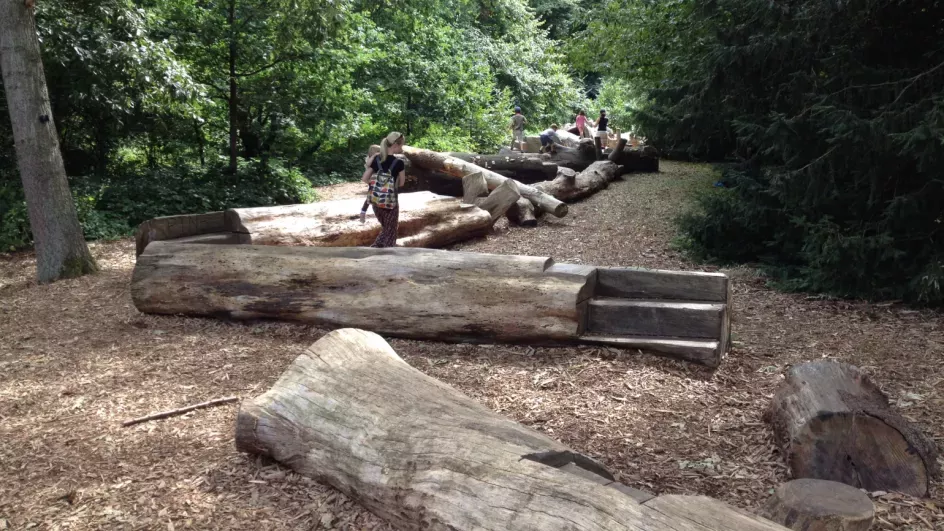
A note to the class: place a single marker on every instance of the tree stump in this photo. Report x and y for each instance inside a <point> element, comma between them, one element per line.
<point>817,505</point>
<point>833,423</point>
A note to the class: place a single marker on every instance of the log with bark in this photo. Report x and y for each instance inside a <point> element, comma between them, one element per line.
<point>520,167</point>
<point>421,455</point>
<point>522,214</point>
<point>431,160</point>
<point>833,423</point>
<point>639,158</point>
<point>440,295</point>
<point>819,505</point>
<point>568,187</point>
<point>426,220</point>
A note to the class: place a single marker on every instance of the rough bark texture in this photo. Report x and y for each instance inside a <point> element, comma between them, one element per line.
<point>61,251</point>
<point>641,159</point>
<point>458,168</point>
<point>426,220</point>
<point>451,296</point>
<point>588,182</point>
<point>818,505</point>
<point>419,454</point>
<point>522,213</point>
<point>418,293</point>
<point>512,162</point>
<point>835,424</point>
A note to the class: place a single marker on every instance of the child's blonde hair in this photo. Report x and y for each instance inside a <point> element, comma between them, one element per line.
<point>372,152</point>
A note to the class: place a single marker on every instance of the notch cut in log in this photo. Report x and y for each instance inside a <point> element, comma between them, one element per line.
<point>426,220</point>
<point>818,505</point>
<point>426,294</point>
<point>425,456</point>
<point>833,423</point>
<point>458,168</point>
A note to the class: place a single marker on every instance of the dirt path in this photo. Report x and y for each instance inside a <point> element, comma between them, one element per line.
<point>76,359</point>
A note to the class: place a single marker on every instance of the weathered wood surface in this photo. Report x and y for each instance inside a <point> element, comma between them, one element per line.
<point>473,187</point>
<point>512,162</point>
<point>833,423</point>
<point>172,227</point>
<point>420,293</point>
<point>639,283</point>
<point>419,454</point>
<point>426,220</point>
<point>596,177</point>
<point>522,213</point>
<point>500,200</point>
<point>458,168</point>
<point>818,505</point>
<point>676,319</point>
<point>639,159</point>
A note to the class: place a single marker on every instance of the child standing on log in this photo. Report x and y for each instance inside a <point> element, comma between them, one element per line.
<point>517,129</point>
<point>372,153</point>
<point>581,122</point>
<point>602,129</point>
<point>386,175</point>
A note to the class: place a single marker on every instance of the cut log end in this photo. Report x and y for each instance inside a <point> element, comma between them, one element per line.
<point>817,505</point>
<point>835,424</point>
<point>522,213</point>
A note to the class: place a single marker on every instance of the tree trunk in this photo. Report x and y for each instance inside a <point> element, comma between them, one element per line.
<point>473,187</point>
<point>833,423</point>
<point>615,154</point>
<point>817,505</point>
<point>233,95</point>
<point>514,163</point>
<point>641,159</point>
<point>588,182</point>
<point>500,200</point>
<point>458,168</point>
<point>522,213</point>
<point>420,293</point>
<point>426,220</point>
<point>61,251</point>
<point>445,296</point>
<point>423,456</point>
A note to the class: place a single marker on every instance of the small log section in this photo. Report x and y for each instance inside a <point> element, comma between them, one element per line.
<point>441,295</point>
<point>423,456</point>
<point>834,424</point>
<point>426,220</point>
<point>818,505</point>
<point>457,168</point>
<point>522,213</point>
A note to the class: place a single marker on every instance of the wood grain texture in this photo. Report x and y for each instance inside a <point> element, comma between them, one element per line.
<point>818,505</point>
<point>174,227</point>
<point>704,352</point>
<point>500,200</point>
<point>426,220</point>
<point>522,213</point>
<point>638,283</point>
<point>419,454</point>
<point>672,319</point>
<point>834,424</point>
<point>416,293</point>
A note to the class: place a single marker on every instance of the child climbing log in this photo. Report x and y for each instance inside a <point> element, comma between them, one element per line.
<point>421,455</point>
<point>441,295</point>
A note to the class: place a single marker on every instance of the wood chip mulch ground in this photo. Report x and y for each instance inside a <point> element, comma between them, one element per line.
<point>76,359</point>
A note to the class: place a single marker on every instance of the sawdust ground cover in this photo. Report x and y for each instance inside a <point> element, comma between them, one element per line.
<point>76,359</point>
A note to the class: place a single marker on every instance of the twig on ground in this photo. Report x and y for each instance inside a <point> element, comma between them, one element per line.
<point>180,411</point>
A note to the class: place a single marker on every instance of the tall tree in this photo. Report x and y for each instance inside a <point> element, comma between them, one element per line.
<point>61,251</point>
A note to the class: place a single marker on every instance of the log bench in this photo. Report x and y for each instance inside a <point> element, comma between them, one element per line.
<point>442,295</point>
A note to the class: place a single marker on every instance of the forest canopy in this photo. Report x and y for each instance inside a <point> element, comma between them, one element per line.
<point>826,118</point>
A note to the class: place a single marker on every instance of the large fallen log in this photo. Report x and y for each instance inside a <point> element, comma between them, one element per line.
<point>570,188</point>
<point>426,220</point>
<point>458,168</point>
<point>423,456</point>
<point>638,158</point>
<point>441,295</point>
<point>833,423</point>
<point>512,162</point>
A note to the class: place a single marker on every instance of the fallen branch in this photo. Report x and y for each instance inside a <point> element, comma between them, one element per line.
<point>180,411</point>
